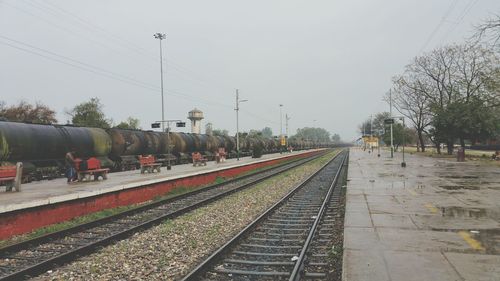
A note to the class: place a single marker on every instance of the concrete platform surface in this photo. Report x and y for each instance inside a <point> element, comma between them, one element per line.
<point>436,219</point>
<point>53,191</point>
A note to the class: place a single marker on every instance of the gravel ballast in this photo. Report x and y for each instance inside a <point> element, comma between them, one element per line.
<point>170,250</point>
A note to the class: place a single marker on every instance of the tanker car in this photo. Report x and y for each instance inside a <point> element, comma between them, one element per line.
<point>42,148</point>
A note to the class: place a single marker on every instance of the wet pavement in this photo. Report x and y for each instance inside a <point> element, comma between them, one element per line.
<point>436,219</point>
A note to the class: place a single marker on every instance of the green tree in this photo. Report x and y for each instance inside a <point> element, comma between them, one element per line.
<point>313,134</point>
<point>25,112</point>
<point>130,123</point>
<point>400,135</point>
<point>255,133</point>
<point>376,121</point>
<point>220,132</point>
<point>89,114</point>
<point>336,138</point>
<point>267,132</point>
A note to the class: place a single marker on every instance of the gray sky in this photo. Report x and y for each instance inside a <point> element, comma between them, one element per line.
<point>329,61</point>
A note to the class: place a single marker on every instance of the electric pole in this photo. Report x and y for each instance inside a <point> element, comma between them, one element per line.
<point>281,129</point>
<point>286,123</point>
<point>237,109</point>
<point>390,112</point>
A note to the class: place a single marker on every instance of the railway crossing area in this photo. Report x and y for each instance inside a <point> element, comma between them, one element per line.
<point>433,220</point>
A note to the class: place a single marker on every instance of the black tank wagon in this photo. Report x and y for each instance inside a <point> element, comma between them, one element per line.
<point>42,148</point>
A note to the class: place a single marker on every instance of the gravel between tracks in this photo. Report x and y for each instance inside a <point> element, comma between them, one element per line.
<point>168,251</point>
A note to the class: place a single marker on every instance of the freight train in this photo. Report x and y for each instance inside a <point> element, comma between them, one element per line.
<point>42,148</point>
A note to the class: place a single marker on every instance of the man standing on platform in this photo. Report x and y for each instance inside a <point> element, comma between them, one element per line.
<point>70,166</point>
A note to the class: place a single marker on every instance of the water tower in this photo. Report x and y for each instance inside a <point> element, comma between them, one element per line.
<point>195,116</point>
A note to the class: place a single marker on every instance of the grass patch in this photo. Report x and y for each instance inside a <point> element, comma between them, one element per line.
<point>65,225</point>
<point>335,253</point>
<point>481,156</point>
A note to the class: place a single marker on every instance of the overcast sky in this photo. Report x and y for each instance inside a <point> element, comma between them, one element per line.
<point>328,62</point>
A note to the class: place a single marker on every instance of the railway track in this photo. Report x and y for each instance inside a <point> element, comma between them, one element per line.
<point>32,257</point>
<point>290,241</point>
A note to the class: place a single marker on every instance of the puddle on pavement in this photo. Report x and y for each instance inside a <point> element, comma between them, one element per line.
<point>460,177</point>
<point>458,187</point>
<point>490,239</point>
<point>450,192</point>
<point>461,212</point>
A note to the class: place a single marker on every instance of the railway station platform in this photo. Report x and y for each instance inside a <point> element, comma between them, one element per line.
<point>47,202</point>
<point>436,219</point>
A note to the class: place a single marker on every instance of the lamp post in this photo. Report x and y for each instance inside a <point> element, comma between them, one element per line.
<point>161,36</point>
<point>237,109</point>
<point>402,118</point>
<point>403,164</point>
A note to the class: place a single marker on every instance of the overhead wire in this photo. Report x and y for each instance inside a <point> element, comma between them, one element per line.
<point>96,69</point>
<point>93,27</point>
<point>150,86</point>
<point>131,45</point>
<point>441,22</point>
<point>460,18</point>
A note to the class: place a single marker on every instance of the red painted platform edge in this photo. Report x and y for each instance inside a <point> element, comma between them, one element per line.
<point>26,220</point>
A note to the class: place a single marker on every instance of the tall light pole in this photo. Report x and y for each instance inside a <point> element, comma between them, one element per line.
<point>161,36</point>
<point>237,109</point>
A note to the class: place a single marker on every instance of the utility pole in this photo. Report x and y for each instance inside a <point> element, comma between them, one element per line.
<point>281,130</point>
<point>390,112</point>
<point>237,109</point>
<point>161,36</point>
<point>371,125</point>
<point>371,132</point>
<point>286,123</point>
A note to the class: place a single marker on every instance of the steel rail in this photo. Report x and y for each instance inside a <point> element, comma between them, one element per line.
<point>39,267</point>
<point>299,264</point>
<point>219,254</point>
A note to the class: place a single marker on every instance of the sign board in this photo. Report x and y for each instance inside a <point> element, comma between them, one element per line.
<point>370,139</point>
<point>283,141</point>
<point>155,125</point>
<point>180,124</point>
<point>389,121</point>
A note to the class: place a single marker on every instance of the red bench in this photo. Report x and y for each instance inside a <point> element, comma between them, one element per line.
<point>93,169</point>
<point>8,175</point>
<point>220,155</point>
<point>198,159</point>
<point>148,163</point>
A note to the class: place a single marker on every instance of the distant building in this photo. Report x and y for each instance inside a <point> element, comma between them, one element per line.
<point>195,116</point>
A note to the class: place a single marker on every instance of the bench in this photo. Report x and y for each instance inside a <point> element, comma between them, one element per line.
<point>198,159</point>
<point>93,169</point>
<point>220,155</point>
<point>148,163</point>
<point>10,176</point>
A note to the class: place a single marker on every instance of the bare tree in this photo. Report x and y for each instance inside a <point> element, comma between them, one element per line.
<point>447,83</point>
<point>489,32</point>
<point>410,100</point>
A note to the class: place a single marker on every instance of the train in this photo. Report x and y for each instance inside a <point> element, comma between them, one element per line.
<point>42,147</point>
